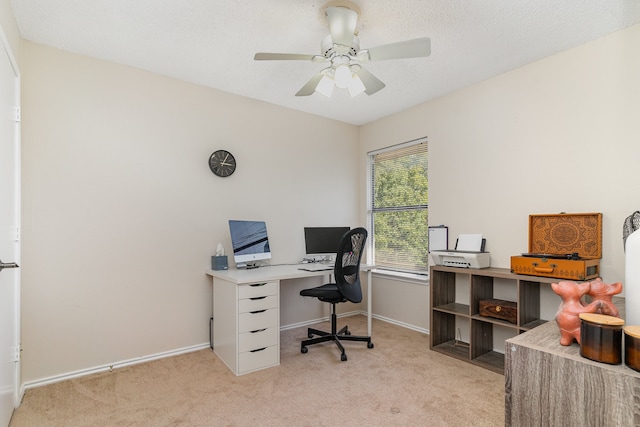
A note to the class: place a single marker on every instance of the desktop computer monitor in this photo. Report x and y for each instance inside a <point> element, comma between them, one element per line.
<point>249,241</point>
<point>323,240</point>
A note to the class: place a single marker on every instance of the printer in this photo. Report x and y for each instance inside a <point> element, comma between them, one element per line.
<point>469,253</point>
<point>461,259</point>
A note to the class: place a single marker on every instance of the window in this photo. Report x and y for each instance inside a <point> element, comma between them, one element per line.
<point>398,207</point>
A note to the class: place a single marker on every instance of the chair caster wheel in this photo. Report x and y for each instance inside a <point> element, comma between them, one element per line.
<point>369,345</point>
<point>343,357</point>
<point>347,332</point>
<point>310,335</point>
<point>304,350</point>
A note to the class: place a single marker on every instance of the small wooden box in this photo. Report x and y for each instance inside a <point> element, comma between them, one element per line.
<point>559,235</point>
<point>499,309</point>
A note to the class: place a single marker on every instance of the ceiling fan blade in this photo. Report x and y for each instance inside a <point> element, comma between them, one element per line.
<point>262,56</point>
<point>342,24</point>
<point>371,83</point>
<point>310,87</point>
<point>415,48</point>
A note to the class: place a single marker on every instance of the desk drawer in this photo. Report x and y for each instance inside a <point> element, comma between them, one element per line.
<point>253,321</point>
<point>253,360</point>
<point>257,303</point>
<point>258,290</point>
<point>257,339</point>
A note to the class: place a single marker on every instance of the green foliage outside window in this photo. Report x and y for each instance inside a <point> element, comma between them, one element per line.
<point>400,208</point>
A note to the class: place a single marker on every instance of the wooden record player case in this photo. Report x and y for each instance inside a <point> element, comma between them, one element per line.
<point>554,238</point>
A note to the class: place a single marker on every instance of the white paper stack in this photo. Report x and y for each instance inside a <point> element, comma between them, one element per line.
<point>469,243</point>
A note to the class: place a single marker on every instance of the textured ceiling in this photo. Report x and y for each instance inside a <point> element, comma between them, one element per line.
<point>212,43</point>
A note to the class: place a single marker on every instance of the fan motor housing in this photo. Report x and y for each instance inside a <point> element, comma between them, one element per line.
<point>330,49</point>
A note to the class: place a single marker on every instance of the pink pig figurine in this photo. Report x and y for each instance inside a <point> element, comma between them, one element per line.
<point>605,292</point>
<point>568,314</point>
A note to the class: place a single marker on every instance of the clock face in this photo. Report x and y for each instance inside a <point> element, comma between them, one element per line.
<point>222,163</point>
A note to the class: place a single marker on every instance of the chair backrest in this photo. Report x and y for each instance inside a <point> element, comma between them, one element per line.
<point>347,267</point>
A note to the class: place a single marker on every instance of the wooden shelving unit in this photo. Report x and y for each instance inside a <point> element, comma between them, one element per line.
<point>446,308</point>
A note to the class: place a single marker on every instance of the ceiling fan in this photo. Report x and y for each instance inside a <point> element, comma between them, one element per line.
<point>341,49</point>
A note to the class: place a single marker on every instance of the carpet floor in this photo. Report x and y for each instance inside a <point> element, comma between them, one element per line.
<point>399,382</point>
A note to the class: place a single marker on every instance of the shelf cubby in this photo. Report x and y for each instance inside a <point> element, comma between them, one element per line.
<point>447,306</point>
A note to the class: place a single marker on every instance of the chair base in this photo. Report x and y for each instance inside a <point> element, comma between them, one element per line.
<point>336,336</point>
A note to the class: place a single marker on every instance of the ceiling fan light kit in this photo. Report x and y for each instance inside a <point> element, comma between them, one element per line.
<point>324,87</point>
<point>341,48</point>
<point>343,77</point>
<point>356,87</point>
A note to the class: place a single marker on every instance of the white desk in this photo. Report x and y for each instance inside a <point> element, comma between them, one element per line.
<point>246,306</point>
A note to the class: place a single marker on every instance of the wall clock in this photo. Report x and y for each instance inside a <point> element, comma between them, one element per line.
<point>222,163</point>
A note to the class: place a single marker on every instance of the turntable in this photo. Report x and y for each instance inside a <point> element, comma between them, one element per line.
<point>563,246</point>
<point>573,256</point>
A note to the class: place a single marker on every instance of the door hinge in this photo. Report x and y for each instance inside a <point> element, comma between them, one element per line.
<point>16,114</point>
<point>16,353</point>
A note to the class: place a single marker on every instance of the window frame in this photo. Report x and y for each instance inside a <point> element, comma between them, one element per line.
<point>416,274</point>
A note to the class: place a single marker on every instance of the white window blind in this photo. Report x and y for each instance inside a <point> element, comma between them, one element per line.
<point>399,207</point>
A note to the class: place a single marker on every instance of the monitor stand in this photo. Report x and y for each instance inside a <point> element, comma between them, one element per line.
<point>326,259</point>
<point>247,266</point>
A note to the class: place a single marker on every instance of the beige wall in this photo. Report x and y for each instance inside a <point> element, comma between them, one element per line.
<point>559,135</point>
<point>121,212</point>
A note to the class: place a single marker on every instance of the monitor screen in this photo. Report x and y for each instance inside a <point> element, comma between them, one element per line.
<point>323,240</point>
<point>249,241</point>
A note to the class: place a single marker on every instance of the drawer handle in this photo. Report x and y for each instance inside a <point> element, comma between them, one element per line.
<point>258,349</point>
<point>256,298</point>
<point>257,311</point>
<point>257,284</point>
<point>258,330</point>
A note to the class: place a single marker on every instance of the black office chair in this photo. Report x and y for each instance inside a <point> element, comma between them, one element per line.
<point>346,288</point>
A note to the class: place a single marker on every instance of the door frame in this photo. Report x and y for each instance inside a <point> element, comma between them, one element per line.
<point>18,391</point>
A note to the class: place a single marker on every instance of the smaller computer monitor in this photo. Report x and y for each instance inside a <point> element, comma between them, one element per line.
<point>323,240</point>
<point>249,241</point>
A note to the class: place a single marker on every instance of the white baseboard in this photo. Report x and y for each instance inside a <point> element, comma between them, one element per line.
<point>402,324</point>
<point>103,368</point>
<point>322,319</point>
<point>111,367</point>
<point>355,313</point>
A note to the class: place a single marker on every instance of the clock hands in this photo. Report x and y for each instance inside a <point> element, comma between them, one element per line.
<point>222,163</point>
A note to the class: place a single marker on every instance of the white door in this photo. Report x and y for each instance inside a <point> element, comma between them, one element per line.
<point>9,232</point>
